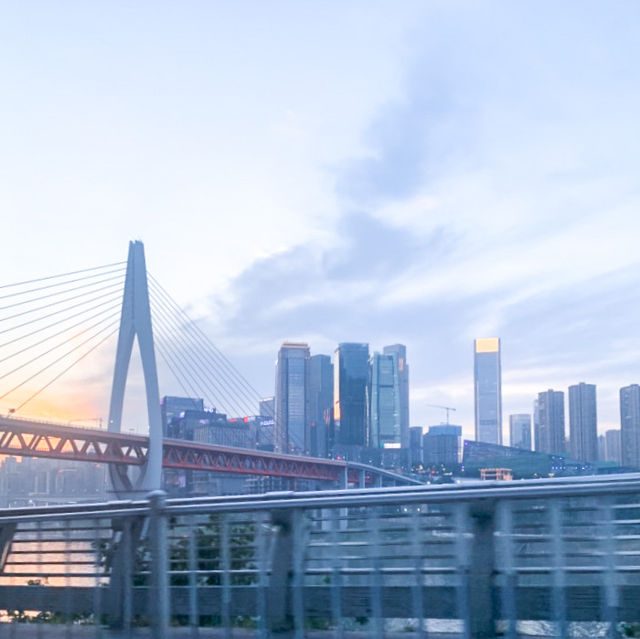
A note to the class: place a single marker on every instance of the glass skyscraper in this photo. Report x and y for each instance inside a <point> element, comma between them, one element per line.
<point>520,431</point>
<point>351,375</point>
<point>291,397</point>
<point>320,402</point>
<point>488,390</point>
<point>549,422</point>
<point>630,425</point>
<point>399,351</point>
<point>583,422</point>
<point>384,401</point>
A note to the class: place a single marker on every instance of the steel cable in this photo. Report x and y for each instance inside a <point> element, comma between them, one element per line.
<point>53,277</point>
<point>178,335</point>
<point>215,357</point>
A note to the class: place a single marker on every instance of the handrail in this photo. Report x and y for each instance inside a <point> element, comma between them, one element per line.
<point>405,495</point>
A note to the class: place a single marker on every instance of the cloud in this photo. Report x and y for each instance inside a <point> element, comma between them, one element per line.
<point>497,195</point>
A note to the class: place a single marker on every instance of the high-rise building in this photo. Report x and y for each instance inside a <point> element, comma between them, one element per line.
<point>399,351</point>
<point>488,390</point>
<point>265,435</point>
<point>630,425</point>
<point>267,407</point>
<point>612,452</point>
<point>320,403</point>
<point>171,407</point>
<point>351,374</point>
<point>520,431</point>
<point>549,422</point>
<point>415,445</point>
<point>441,445</point>
<point>384,402</point>
<point>291,397</point>
<point>583,422</point>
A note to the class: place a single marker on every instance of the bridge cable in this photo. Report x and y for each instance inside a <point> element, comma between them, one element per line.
<point>115,308</point>
<point>55,361</point>
<point>59,375</point>
<point>172,366</point>
<point>67,290</point>
<point>47,286</point>
<point>206,383</point>
<point>66,319</point>
<point>204,339</point>
<point>57,303</point>
<point>57,346</point>
<point>216,358</point>
<point>110,294</point>
<point>53,277</point>
<point>203,365</point>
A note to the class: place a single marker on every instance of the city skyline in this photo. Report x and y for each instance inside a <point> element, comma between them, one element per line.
<point>442,171</point>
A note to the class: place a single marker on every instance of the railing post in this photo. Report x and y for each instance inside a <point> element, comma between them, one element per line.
<point>159,591</point>
<point>482,606</point>
<point>278,609</point>
<point>126,535</point>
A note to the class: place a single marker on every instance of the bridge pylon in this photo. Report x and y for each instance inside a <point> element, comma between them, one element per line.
<point>135,320</point>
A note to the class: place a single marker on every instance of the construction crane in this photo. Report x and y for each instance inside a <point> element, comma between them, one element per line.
<point>446,408</point>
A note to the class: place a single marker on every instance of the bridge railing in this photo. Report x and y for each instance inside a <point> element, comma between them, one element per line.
<point>475,559</point>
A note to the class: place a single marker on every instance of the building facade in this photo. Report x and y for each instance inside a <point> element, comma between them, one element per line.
<point>583,422</point>
<point>399,351</point>
<point>351,376</point>
<point>320,403</point>
<point>384,402</point>
<point>488,390</point>
<point>415,446</point>
<point>549,424</point>
<point>612,452</point>
<point>171,407</point>
<point>630,425</point>
<point>441,445</point>
<point>291,398</point>
<point>520,431</point>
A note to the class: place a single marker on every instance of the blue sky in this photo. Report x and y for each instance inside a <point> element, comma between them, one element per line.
<point>416,172</point>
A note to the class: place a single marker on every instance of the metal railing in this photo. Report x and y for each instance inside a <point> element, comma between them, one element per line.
<point>471,559</point>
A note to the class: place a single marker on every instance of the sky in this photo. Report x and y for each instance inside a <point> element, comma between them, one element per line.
<point>419,172</point>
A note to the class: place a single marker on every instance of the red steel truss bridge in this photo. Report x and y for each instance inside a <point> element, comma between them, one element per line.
<point>23,437</point>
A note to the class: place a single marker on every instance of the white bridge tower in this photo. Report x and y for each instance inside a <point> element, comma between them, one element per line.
<point>135,320</point>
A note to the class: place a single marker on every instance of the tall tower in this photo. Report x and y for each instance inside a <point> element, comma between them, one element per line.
<point>399,351</point>
<point>488,390</point>
<point>549,426</point>
<point>351,373</point>
<point>630,425</point>
<point>384,401</point>
<point>291,397</point>
<point>583,422</point>
<point>320,404</point>
<point>135,321</point>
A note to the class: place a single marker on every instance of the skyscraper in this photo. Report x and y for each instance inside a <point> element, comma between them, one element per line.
<point>402,372</point>
<point>520,431</point>
<point>549,422</point>
<point>351,373</point>
<point>612,452</point>
<point>384,401</point>
<point>441,445</point>
<point>488,390</point>
<point>171,407</point>
<point>320,403</point>
<point>630,425</point>
<point>291,397</point>
<point>583,422</point>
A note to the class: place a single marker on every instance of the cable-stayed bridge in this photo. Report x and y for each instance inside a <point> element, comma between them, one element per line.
<point>48,326</point>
